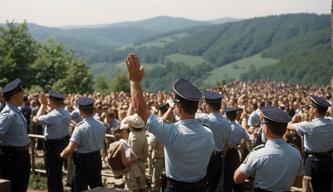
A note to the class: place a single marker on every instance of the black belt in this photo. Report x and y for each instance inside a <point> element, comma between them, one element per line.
<point>179,185</point>
<point>319,154</point>
<point>14,149</point>
<point>56,140</point>
<point>85,158</point>
<point>86,155</point>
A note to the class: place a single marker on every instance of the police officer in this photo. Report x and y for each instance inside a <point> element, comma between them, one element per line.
<point>275,165</point>
<point>221,129</point>
<point>238,135</point>
<point>188,144</point>
<point>86,142</point>
<point>14,140</point>
<point>318,143</point>
<point>56,125</point>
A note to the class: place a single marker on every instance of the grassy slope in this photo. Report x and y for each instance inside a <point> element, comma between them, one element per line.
<point>160,42</point>
<point>188,60</point>
<point>233,71</point>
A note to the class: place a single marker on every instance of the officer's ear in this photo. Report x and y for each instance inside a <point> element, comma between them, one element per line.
<point>266,129</point>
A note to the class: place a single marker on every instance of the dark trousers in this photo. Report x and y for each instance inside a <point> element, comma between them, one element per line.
<point>178,186</point>
<point>214,172</point>
<point>232,162</point>
<point>15,166</point>
<point>319,168</point>
<point>53,164</point>
<point>87,171</point>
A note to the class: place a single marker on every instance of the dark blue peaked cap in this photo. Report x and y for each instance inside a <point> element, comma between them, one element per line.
<point>275,114</point>
<point>85,102</point>
<point>320,101</point>
<point>186,91</point>
<point>53,95</point>
<point>12,87</point>
<point>212,97</point>
<point>232,109</point>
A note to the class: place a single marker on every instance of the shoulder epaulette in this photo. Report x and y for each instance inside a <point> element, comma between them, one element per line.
<point>5,110</point>
<point>258,147</point>
<point>79,123</point>
<point>205,125</point>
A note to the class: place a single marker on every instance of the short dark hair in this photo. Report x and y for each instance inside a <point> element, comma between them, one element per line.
<point>57,101</point>
<point>190,107</point>
<point>215,106</point>
<point>278,129</point>
<point>322,110</point>
<point>7,97</point>
<point>88,111</point>
<point>231,115</point>
<point>111,114</point>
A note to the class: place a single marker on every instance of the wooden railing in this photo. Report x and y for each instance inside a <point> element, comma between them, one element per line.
<point>32,146</point>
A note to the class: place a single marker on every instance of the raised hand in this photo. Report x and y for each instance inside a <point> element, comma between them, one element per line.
<point>134,70</point>
<point>43,99</point>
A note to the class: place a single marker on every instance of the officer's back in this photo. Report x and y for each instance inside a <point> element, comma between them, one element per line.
<point>188,144</point>
<point>86,142</point>
<point>276,164</point>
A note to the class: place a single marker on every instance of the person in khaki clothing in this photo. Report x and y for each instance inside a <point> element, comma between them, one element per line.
<point>157,153</point>
<point>135,178</point>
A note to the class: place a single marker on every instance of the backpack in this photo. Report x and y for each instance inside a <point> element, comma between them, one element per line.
<point>114,159</point>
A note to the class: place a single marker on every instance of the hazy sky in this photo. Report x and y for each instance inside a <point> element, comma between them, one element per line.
<point>82,12</point>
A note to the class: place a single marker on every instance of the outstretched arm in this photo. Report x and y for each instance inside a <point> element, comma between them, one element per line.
<point>135,74</point>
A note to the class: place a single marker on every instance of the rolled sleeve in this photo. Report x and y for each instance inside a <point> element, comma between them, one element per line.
<point>44,119</point>
<point>302,128</point>
<point>163,131</point>
<point>5,122</point>
<point>76,136</point>
<point>249,165</point>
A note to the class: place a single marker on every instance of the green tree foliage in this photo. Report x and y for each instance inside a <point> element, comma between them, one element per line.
<point>101,84</point>
<point>77,79</point>
<point>17,52</point>
<point>51,63</point>
<point>46,65</point>
<point>120,83</point>
<point>160,78</point>
<point>289,38</point>
<point>318,70</point>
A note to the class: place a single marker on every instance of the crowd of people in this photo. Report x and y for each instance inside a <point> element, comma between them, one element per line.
<point>198,137</point>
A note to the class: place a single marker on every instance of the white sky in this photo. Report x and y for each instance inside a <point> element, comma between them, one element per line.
<point>83,12</point>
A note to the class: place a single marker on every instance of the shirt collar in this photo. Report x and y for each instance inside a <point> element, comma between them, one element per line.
<point>275,141</point>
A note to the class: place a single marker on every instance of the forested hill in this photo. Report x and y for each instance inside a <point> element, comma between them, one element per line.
<point>290,47</point>
<point>297,48</point>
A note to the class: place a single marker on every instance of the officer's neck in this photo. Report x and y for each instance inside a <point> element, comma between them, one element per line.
<point>86,116</point>
<point>183,116</point>
<point>12,102</point>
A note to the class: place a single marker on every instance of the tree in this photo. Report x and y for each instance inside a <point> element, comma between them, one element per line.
<point>51,64</point>
<point>120,83</point>
<point>17,52</point>
<point>46,65</point>
<point>101,84</point>
<point>78,79</point>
